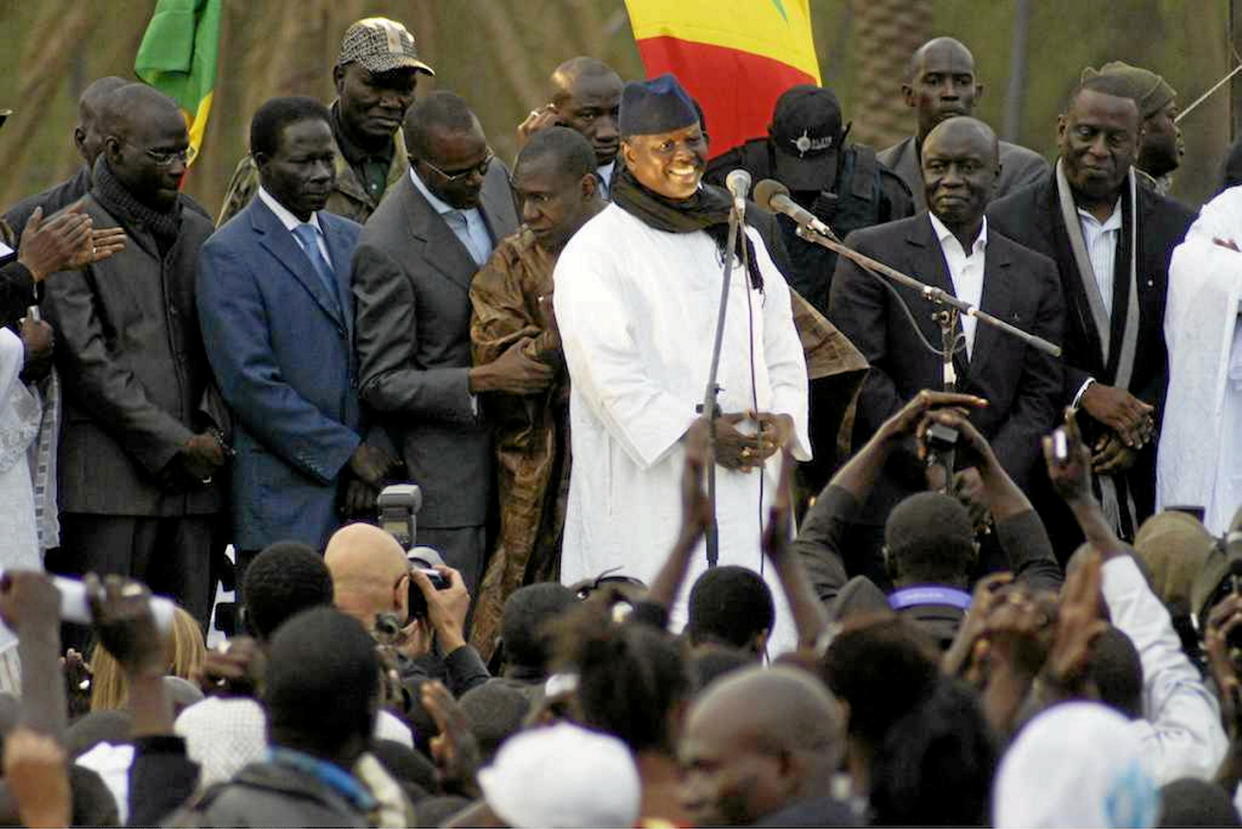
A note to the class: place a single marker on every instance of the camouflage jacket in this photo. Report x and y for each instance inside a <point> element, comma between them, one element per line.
<point>349,198</point>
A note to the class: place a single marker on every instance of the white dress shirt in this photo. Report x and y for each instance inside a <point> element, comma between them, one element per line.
<point>290,222</point>
<point>1101,239</point>
<point>467,225</point>
<point>965,270</point>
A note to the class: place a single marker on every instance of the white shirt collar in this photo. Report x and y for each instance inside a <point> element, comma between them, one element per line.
<point>943,233</point>
<point>439,205</point>
<point>1113,222</point>
<point>286,218</point>
<point>605,172</point>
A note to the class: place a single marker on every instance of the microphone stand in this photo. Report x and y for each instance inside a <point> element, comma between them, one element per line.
<point>931,293</point>
<point>709,407</point>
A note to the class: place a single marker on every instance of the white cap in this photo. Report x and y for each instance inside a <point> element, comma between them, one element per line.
<point>1076,764</point>
<point>563,775</point>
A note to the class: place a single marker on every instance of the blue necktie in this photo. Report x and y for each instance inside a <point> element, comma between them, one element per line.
<point>308,236</point>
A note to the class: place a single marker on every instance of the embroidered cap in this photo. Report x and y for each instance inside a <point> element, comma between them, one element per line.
<point>378,44</point>
<point>806,131</point>
<point>655,106</point>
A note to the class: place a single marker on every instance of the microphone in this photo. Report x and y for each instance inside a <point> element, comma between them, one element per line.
<point>774,196</point>
<point>738,184</point>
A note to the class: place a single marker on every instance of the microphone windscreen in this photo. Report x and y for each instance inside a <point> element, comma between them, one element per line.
<point>766,189</point>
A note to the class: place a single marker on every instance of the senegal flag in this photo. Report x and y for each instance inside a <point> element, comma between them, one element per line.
<point>178,57</point>
<point>735,58</point>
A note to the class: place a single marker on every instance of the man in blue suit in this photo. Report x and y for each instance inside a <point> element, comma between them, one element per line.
<point>277,317</point>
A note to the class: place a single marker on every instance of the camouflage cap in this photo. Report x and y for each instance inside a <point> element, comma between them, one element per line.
<point>380,45</point>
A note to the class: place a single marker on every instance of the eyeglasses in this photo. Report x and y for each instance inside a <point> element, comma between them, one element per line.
<point>165,158</point>
<point>480,168</point>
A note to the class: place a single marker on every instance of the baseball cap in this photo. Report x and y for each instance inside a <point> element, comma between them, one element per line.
<point>806,131</point>
<point>378,44</point>
<point>595,782</point>
<point>4,115</point>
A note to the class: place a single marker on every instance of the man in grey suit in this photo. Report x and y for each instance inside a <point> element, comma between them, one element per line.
<point>141,448</point>
<point>941,83</point>
<point>412,272</point>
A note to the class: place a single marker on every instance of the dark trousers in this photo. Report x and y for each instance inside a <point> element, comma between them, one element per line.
<point>172,556</point>
<point>462,548</point>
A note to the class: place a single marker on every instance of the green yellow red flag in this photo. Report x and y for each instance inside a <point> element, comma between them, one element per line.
<point>178,57</point>
<point>734,57</point>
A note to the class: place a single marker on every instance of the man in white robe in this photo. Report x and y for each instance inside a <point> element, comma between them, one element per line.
<point>636,297</point>
<point>1200,460</point>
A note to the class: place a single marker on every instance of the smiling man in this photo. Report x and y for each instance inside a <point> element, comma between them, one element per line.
<point>1112,241</point>
<point>952,246</point>
<point>375,76</point>
<point>556,187</point>
<point>941,83</point>
<point>637,293</point>
<point>277,317</point>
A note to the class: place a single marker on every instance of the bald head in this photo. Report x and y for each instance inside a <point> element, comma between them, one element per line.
<point>961,165</point>
<point>586,94</point>
<point>756,741</point>
<point>145,143</point>
<point>940,82</point>
<point>125,109</point>
<point>369,572</point>
<point>87,135</point>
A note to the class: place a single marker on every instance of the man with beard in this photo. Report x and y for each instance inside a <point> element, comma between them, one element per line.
<point>375,76</point>
<point>277,316</point>
<point>555,183</point>
<point>637,292</point>
<point>941,83</point>
<point>1112,241</point>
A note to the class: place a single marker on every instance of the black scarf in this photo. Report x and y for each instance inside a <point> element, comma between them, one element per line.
<point>707,210</point>
<point>165,226</point>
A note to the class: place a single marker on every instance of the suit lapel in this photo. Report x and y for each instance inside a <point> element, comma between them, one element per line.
<point>341,254</point>
<point>497,207</point>
<point>929,266</point>
<point>435,241</point>
<point>279,242</point>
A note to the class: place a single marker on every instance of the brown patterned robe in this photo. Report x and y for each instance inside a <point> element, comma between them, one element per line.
<point>531,432</point>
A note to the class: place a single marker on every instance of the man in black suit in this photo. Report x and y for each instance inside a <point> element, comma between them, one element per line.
<point>1113,259</point>
<point>416,259</point>
<point>952,247</point>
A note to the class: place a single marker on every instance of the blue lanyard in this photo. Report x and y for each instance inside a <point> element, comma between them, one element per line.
<point>929,594</point>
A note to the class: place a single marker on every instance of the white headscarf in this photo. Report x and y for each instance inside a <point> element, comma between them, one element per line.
<point>1076,764</point>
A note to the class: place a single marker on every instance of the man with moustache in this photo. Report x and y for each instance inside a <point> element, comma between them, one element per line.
<point>637,292</point>
<point>1112,241</point>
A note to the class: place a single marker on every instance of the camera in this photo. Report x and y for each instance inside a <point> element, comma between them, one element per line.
<point>398,505</point>
<point>940,440</point>
<point>423,559</point>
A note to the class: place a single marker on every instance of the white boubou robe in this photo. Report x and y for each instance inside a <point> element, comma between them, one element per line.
<point>636,308</point>
<point>1200,455</point>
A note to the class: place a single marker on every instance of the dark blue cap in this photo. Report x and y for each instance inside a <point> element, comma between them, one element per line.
<point>655,106</point>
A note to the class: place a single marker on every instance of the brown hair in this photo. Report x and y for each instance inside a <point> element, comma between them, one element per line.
<point>187,650</point>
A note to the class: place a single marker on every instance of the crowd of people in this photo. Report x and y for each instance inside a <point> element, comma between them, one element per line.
<point>908,569</point>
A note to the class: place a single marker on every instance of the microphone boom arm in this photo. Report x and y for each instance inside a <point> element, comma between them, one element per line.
<point>928,292</point>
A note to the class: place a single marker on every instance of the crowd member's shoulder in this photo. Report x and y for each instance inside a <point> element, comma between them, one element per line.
<point>1013,212</point>
<point>880,237</point>
<point>242,187</point>
<point>1178,216</point>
